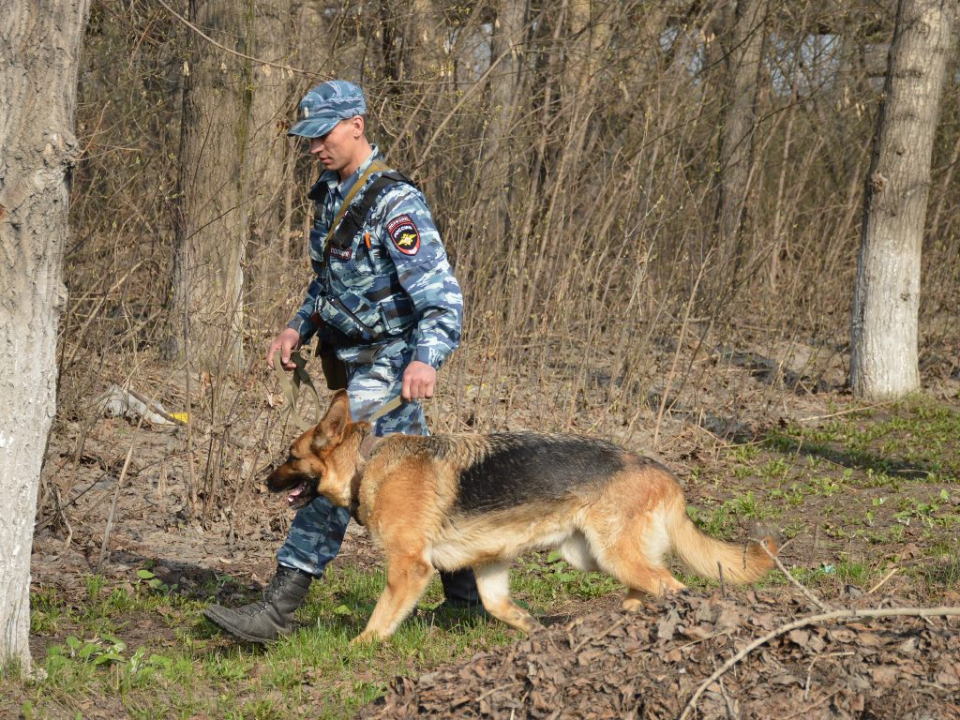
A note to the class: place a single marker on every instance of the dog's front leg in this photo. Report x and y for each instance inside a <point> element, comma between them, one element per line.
<point>407,578</point>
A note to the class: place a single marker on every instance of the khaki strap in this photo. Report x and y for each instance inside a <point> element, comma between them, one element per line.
<point>389,406</point>
<point>375,167</point>
<point>290,386</point>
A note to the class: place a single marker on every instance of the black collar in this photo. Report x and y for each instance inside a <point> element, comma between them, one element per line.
<point>367,445</point>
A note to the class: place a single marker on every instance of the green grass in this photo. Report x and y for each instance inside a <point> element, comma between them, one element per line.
<point>186,668</point>
<point>872,481</point>
<point>724,520</point>
<point>917,439</point>
<point>842,572</point>
<point>544,579</point>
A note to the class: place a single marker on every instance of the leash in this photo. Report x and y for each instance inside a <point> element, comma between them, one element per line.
<point>290,385</point>
<point>387,407</point>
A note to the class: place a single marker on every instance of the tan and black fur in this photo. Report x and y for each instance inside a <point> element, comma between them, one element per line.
<point>455,501</point>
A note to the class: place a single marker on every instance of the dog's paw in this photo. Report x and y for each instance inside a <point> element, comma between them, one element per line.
<point>524,621</point>
<point>367,637</point>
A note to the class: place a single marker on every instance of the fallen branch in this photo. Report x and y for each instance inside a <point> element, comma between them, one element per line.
<point>813,620</point>
<point>848,411</point>
<point>796,583</point>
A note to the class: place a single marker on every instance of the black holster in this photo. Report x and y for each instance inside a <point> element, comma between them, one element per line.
<point>334,369</point>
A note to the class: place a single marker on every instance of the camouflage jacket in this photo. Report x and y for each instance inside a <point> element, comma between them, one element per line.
<point>393,282</point>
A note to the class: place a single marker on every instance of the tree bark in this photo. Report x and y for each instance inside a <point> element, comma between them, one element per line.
<point>264,187</point>
<point>886,300</point>
<point>739,125</point>
<point>39,57</point>
<point>505,81</point>
<point>412,44</point>
<point>212,232</point>
<point>425,59</point>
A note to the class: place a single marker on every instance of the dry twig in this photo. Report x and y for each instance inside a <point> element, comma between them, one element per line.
<point>796,583</point>
<point>883,582</point>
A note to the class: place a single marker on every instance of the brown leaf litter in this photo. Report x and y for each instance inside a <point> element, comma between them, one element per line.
<point>651,664</point>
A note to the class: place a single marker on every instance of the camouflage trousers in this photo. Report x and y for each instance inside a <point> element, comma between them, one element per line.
<point>317,530</point>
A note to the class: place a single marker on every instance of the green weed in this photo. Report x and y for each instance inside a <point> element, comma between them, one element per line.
<point>551,579</point>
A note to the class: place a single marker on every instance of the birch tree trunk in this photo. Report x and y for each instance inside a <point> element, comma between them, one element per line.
<point>886,300</point>
<point>39,54</point>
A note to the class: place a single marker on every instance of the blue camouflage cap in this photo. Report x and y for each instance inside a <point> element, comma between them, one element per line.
<point>326,105</point>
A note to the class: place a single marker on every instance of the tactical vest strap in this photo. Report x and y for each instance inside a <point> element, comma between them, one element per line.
<point>356,215</point>
<point>353,213</point>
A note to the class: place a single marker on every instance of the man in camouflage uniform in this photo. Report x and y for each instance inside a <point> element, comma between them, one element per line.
<point>385,297</point>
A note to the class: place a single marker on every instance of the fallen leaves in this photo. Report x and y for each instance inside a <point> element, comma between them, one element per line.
<point>648,665</point>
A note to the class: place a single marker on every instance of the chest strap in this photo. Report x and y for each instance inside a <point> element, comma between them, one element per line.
<point>353,213</point>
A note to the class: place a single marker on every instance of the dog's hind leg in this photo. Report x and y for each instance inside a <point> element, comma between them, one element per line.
<point>625,558</point>
<point>407,578</point>
<point>493,583</point>
<point>576,551</point>
<point>645,579</point>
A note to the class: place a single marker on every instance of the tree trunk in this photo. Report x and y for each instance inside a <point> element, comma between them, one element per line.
<point>212,232</point>
<point>264,187</point>
<point>425,59</point>
<point>739,124</point>
<point>412,44</point>
<point>505,81</point>
<point>39,57</point>
<point>416,66</point>
<point>886,298</point>
<point>506,41</point>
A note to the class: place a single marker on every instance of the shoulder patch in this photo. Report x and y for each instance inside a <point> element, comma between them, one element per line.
<point>404,234</point>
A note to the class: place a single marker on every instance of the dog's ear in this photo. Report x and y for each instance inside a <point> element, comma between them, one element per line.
<point>334,422</point>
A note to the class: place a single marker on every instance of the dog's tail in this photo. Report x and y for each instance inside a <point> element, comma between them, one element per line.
<point>712,558</point>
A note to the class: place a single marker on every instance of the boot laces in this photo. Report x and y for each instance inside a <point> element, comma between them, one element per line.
<point>253,608</point>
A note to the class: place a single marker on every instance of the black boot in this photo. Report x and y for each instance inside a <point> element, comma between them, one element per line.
<point>460,590</point>
<point>267,620</point>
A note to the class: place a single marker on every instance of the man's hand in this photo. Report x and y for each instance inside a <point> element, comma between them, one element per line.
<point>419,380</point>
<point>286,342</point>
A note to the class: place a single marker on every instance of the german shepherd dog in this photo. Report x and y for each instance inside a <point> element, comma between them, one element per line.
<point>479,501</point>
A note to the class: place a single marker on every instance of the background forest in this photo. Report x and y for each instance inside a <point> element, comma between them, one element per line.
<point>609,177</point>
<point>654,210</point>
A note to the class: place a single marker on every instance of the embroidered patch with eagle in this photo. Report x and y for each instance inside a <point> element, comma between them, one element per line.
<point>404,234</point>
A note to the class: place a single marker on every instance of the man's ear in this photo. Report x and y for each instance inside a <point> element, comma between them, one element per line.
<point>335,421</point>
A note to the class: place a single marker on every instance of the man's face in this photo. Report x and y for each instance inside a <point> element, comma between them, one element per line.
<point>337,149</point>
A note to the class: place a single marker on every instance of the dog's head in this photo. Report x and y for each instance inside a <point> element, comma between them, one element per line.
<point>323,460</point>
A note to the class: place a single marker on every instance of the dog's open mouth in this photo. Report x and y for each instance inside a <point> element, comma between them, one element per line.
<point>300,488</point>
<point>296,496</point>
<point>302,493</point>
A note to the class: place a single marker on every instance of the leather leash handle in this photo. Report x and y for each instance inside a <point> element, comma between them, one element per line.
<point>290,386</point>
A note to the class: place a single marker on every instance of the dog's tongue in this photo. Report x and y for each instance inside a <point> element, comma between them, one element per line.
<point>296,493</point>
